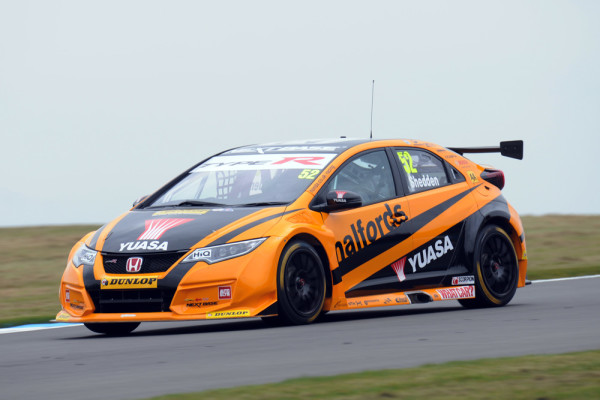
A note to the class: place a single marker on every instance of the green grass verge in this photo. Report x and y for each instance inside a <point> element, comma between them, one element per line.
<point>32,260</point>
<point>547,377</point>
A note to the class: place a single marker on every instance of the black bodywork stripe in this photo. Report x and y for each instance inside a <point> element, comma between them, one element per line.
<point>228,236</point>
<point>404,231</point>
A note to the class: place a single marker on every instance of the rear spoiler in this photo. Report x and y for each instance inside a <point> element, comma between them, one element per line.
<point>512,149</point>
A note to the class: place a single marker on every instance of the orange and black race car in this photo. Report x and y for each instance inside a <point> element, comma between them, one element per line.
<point>288,231</point>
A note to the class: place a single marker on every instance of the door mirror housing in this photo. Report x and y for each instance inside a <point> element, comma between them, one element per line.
<point>339,200</point>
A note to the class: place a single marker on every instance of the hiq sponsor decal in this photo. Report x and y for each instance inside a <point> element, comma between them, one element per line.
<point>431,253</point>
<point>365,235</point>
<point>463,280</point>
<point>460,292</point>
<point>147,282</point>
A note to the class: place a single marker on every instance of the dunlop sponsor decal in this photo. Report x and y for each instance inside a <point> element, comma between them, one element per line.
<point>228,314</point>
<point>147,282</point>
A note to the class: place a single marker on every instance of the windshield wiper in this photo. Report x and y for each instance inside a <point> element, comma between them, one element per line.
<point>264,203</point>
<point>198,203</point>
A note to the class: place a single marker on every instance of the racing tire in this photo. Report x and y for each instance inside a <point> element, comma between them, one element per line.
<point>496,269</point>
<point>112,329</point>
<point>300,284</point>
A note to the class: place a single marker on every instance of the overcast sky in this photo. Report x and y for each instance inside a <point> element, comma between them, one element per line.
<point>102,102</point>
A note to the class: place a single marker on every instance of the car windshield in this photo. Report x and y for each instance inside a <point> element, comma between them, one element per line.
<point>246,180</point>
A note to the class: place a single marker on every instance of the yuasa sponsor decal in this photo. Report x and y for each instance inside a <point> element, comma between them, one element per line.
<point>460,292</point>
<point>224,292</point>
<point>398,267</point>
<point>228,314</point>
<point>463,280</point>
<point>365,235</point>
<point>134,264</point>
<point>430,253</point>
<point>340,196</point>
<point>155,228</point>
<point>147,282</point>
<point>424,182</point>
<point>144,245</point>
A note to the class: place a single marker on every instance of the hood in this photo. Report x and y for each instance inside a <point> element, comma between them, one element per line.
<point>144,231</point>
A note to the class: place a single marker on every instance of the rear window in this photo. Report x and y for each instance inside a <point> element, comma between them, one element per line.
<point>421,169</point>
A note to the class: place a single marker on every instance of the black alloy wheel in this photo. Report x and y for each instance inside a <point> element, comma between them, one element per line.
<point>300,283</point>
<point>497,269</point>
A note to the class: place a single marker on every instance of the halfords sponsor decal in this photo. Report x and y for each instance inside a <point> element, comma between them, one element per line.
<point>147,282</point>
<point>460,292</point>
<point>423,182</point>
<point>431,253</point>
<point>365,235</point>
<point>463,280</point>
<point>228,314</point>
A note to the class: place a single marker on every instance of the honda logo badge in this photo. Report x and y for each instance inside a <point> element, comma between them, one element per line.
<point>134,264</point>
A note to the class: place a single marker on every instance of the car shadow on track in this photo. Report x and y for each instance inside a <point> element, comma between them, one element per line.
<point>257,324</point>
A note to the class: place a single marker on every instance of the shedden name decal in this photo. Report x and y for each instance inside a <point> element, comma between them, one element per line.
<point>147,282</point>
<point>365,234</point>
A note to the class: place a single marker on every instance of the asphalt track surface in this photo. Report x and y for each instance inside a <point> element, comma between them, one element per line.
<point>161,358</point>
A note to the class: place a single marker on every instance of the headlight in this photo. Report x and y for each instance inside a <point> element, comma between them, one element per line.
<point>84,256</point>
<point>215,254</point>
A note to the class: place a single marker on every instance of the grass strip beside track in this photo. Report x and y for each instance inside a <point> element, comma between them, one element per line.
<point>33,259</point>
<point>548,377</point>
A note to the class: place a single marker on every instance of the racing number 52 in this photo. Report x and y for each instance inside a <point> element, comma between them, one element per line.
<point>308,174</point>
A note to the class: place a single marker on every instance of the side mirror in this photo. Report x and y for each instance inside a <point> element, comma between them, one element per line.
<point>342,200</point>
<point>139,200</point>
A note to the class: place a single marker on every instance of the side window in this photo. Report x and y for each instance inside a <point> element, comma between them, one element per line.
<point>369,175</point>
<point>422,170</point>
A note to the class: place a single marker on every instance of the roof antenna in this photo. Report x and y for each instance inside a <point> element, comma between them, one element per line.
<point>372,93</point>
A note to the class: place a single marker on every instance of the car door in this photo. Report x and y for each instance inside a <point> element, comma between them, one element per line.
<point>370,240</point>
<point>439,199</point>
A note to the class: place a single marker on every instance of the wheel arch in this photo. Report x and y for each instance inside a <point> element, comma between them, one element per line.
<point>320,249</point>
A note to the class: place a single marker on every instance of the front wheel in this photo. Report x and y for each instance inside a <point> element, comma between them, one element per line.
<point>496,269</point>
<point>300,283</point>
<point>112,329</point>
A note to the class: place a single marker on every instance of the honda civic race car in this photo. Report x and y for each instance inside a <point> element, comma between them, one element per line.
<point>289,231</point>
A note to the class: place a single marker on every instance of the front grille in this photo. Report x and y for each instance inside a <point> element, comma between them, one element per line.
<point>116,263</point>
<point>132,300</point>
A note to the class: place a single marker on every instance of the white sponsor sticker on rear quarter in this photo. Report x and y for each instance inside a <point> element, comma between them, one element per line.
<point>459,292</point>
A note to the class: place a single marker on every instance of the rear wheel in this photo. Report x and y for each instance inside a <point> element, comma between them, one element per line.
<point>496,269</point>
<point>112,329</point>
<point>300,283</point>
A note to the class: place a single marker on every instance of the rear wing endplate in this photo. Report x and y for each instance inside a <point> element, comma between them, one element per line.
<point>512,149</point>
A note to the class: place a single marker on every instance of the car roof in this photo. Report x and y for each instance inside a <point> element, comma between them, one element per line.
<point>335,145</point>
